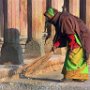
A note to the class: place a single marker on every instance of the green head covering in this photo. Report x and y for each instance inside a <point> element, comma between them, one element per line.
<point>50,12</point>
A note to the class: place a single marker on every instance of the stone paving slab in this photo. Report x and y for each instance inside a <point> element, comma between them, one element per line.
<point>33,84</point>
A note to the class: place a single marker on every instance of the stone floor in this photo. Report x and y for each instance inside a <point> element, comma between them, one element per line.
<point>43,84</point>
<point>48,81</point>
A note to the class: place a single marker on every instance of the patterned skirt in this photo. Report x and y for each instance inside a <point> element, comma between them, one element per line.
<point>75,66</point>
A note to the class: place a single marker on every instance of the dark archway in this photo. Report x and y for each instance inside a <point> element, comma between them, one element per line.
<point>1,18</point>
<point>66,5</point>
<point>83,10</point>
<point>29,19</point>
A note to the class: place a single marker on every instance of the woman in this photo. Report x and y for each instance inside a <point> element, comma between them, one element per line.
<point>71,32</point>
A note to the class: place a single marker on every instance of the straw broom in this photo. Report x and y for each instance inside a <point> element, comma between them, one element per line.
<point>31,68</point>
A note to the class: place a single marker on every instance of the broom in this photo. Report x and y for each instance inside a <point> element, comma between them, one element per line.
<point>31,68</point>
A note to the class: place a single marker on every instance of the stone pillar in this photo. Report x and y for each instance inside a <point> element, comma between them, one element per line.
<point>11,51</point>
<point>13,14</point>
<point>38,19</point>
<point>74,7</point>
<point>23,18</point>
<point>57,5</point>
<point>35,47</point>
<point>88,13</point>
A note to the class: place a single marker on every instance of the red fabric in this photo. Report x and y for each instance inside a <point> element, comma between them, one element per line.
<point>72,42</point>
<point>57,44</point>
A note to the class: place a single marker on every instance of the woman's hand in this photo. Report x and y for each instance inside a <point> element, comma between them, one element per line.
<point>53,49</point>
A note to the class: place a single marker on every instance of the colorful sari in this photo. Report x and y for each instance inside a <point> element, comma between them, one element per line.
<point>75,66</point>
